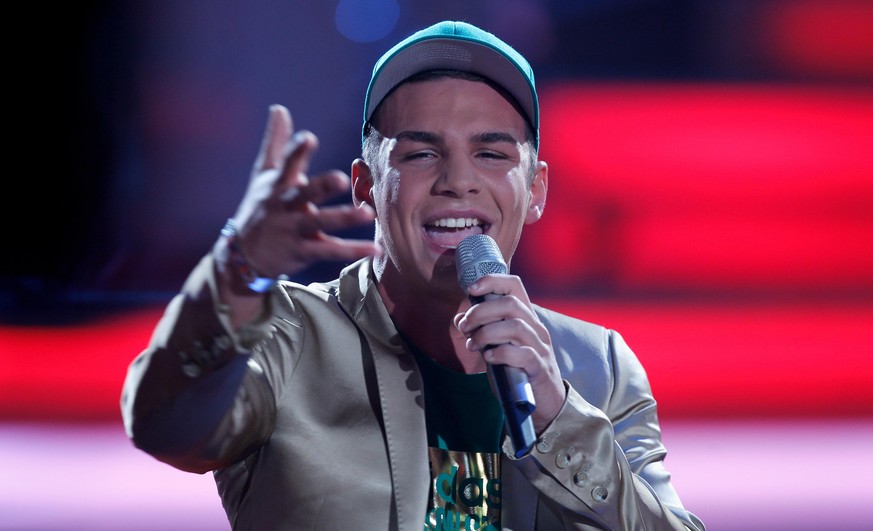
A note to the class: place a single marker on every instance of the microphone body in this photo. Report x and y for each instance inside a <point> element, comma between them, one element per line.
<point>475,257</point>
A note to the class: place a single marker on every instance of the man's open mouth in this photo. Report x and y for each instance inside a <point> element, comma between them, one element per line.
<point>448,232</point>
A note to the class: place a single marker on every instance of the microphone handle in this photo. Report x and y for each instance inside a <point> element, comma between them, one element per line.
<point>516,398</point>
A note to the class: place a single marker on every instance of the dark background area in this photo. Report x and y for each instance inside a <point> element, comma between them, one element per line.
<point>137,122</point>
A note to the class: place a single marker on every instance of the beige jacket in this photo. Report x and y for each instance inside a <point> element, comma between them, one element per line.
<point>314,419</point>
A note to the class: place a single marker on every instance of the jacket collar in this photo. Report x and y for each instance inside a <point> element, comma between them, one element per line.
<point>400,392</point>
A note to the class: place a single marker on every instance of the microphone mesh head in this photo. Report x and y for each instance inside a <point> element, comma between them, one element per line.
<point>477,256</point>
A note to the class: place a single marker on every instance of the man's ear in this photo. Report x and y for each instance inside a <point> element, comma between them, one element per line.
<point>362,184</point>
<point>538,189</point>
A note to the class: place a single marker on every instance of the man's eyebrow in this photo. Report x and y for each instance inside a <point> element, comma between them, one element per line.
<point>426,137</point>
<point>423,137</point>
<point>493,138</point>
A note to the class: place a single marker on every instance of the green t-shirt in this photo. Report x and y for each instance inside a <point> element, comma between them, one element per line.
<point>464,430</point>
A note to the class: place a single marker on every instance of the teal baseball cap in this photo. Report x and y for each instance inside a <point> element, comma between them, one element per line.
<point>454,45</point>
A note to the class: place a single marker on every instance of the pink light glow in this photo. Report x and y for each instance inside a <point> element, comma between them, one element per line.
<point>736,475</point>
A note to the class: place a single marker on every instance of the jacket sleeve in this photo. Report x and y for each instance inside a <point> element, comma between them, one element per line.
<point>600,464</point>
<point>196,398</point>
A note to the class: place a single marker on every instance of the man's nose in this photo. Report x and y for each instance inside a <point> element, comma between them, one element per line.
<point>458,177</point>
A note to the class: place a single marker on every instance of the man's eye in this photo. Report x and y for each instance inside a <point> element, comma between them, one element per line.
<point>492,155</point>
<point>418,155</point>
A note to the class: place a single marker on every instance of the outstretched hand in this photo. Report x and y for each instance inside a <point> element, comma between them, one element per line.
<point>281,226</point>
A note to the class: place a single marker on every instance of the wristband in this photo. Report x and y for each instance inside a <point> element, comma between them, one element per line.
<point>255,282</point>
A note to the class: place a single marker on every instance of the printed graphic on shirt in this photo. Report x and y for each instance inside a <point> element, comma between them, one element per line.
<point>465,491</point>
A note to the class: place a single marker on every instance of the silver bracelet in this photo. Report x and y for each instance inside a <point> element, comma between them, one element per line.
<point>255,282</point>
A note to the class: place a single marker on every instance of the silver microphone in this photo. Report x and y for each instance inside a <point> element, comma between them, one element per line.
<point>475,257</point>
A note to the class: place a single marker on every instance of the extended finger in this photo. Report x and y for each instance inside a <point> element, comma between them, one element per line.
<point>276,135</point>
<point>341,217</point>
<point>333,248</point>
<point>297,154</point>
<point>326,186</point>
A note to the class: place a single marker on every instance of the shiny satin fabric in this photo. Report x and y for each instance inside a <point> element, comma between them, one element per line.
<point>313,418</point>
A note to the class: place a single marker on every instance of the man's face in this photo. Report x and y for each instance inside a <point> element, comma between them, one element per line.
<point>453,162</point>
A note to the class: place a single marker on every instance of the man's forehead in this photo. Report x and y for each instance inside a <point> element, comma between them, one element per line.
<point>478,98</point>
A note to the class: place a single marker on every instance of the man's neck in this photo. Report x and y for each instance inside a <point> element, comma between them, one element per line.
<point>427,321</point>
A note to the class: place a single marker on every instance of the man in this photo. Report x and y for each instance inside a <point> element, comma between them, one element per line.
<point>364,402</point>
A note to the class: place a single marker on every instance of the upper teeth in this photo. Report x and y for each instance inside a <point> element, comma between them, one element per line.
<point>457,222</point>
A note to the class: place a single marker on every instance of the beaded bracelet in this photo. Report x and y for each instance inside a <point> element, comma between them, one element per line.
<point>256,283</point>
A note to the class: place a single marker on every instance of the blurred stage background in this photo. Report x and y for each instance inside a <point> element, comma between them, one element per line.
<point>711,198</point>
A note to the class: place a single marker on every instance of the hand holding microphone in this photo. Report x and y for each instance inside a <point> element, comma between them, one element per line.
<point>477,256</point>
